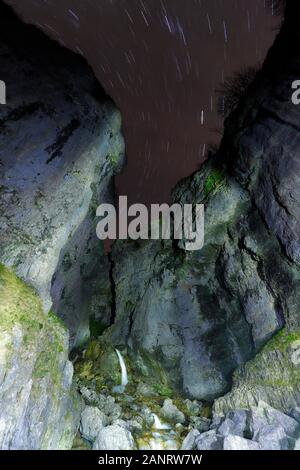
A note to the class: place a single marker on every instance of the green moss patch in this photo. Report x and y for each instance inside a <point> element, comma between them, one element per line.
<point>272,367</point>
<point>163,390</point>
<point>282,340</point>
<point>21,306</point>
<point>214,179</point>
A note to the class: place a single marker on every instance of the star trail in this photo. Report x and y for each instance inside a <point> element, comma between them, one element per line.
<point>161,61</point>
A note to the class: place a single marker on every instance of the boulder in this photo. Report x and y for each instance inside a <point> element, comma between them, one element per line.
<point>145,390</point>
<point>105,403</point>
<point>200,423</point>
<point>189,442</point>
<point>264,414</point>
<point>239,443</point>
<point>274,437</point>
<point>193,407</point>
<point>236,423</point>
<point>92,421</point>
<point>135,426</point>
<point>114,438</point>
<point>147,416</point>
<point>210,440</point>
<point>171,413</point>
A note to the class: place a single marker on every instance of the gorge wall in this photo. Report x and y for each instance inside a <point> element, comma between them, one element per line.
<point>61,144</point>
<point>65,138</point>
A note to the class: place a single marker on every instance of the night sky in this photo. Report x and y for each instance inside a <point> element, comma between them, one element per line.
<point>161,62</point>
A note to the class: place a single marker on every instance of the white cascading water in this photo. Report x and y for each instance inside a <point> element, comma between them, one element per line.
<point>124,376</point>
<point>158,424</point>
<point>162,438</point>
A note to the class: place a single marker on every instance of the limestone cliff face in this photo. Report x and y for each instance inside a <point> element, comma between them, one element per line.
<point>61,144</point>
<point>39,409</point>
<point>203,314</point>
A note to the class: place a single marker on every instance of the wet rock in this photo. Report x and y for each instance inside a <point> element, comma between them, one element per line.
<point>92,421</point>
<point>189,442</point>
<point>239,443</point>
<point>114,438</point>
<point>171,413</point>
<point>147,416</point>
<point>209,440</point>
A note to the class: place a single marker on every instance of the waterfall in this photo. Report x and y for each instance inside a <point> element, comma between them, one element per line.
<point>158,424</point>
<point>124,376</point>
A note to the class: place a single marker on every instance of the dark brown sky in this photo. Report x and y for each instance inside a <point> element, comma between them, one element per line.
<point>161,61</point>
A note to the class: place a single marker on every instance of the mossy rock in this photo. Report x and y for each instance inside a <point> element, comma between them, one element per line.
<point>271,376</point>
<point>283,340</point>
<point>213,180</point>
<point>145,365</point>
<point>109,366</point>
<point>34,348</point>
<point>163,390</point>
<point>99,362</point>
<point>93,351</point>
<point>85,370</point>
<point>21,306</point>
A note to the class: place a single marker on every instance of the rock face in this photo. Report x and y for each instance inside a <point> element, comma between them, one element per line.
<point>206,313</point>
<point>39,409</point>
<point>61,144</point>
<point>272,376</point>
